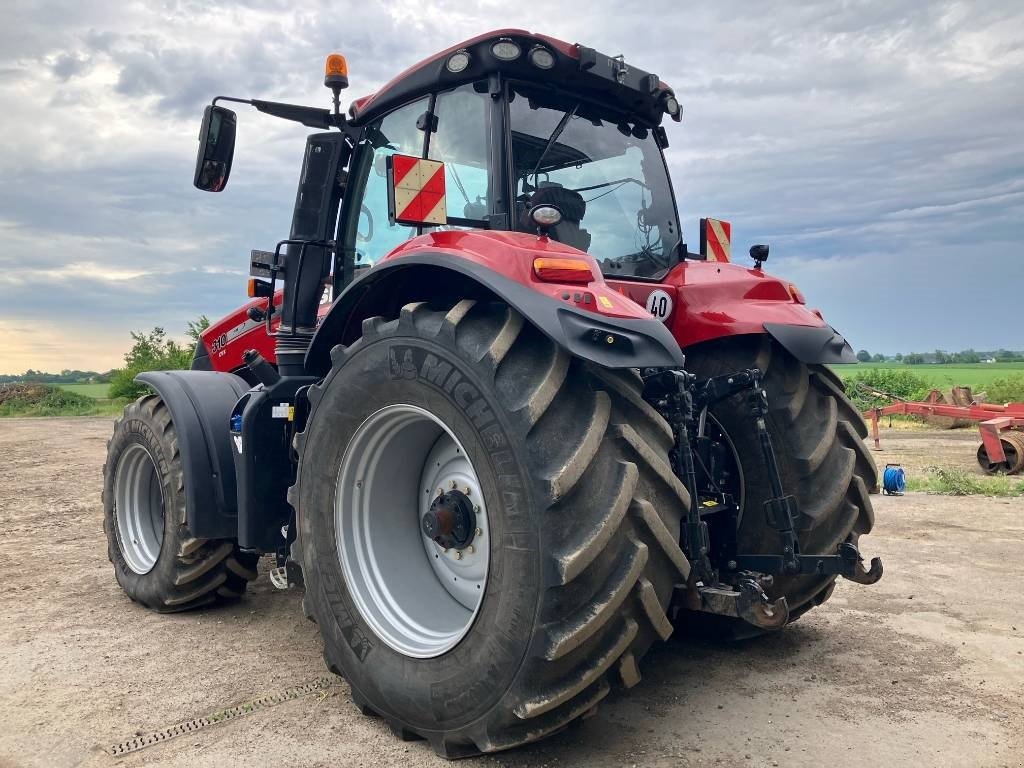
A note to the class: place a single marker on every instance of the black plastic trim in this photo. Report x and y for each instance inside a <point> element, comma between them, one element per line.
<point>811,344</point>
<point>201,358</point>
<point>200,403</point>
<point>636,343</point>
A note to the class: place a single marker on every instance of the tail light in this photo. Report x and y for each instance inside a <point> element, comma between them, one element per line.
<point>563,270</point>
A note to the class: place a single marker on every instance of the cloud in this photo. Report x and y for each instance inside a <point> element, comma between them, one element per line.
<point>875,145</point>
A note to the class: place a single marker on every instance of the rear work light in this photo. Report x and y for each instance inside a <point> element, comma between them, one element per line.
<point>506,50</point>
<point>542,58</point>
<point>562,270</point>
<point>458,62</point>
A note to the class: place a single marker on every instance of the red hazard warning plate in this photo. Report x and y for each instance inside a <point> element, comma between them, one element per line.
<point>416,190</point>
<point>715,239</point>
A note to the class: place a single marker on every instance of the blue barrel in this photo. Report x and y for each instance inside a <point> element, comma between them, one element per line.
<point>894,480</point>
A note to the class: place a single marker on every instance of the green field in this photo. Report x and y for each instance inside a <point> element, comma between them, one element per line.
<point>976,376</point>
<point>96,391</point>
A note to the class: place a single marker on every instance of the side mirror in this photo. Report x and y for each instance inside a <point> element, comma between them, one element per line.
<point>216,148</point>
<point>759,253</point>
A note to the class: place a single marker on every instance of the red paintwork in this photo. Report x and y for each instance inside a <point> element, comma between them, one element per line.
<point>510,254</point>
<point>712,300</point>
<point>227,356</point>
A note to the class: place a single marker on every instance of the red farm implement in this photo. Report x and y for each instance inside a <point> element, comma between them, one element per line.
<point>1001,427</point>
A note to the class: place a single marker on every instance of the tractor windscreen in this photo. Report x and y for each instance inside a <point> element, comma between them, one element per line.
<point>608,179</point>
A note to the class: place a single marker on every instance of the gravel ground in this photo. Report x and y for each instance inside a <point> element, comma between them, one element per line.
<point>925,668</point>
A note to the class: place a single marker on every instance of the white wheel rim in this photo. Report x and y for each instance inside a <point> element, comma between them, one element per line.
<point>418,598</point>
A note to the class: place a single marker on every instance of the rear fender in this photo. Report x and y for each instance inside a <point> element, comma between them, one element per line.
<point>200,403</point>
<point>636,341</point>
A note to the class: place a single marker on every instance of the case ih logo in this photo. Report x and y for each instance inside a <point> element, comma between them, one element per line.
<point>715,239</point>
<point>416,190</point>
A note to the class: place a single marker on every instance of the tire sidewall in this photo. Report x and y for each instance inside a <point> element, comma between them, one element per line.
<point>465,683</point>
<point>136,429</point>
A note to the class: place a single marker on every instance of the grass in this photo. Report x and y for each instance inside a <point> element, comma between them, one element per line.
<point>96,391</point>
<point>951,481</point>
<point>20,400</point>
<point>977,376</point>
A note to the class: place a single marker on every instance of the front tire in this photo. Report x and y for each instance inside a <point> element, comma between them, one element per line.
<point>582,520</point>
<point>818,436</point>
<point>157,561</point>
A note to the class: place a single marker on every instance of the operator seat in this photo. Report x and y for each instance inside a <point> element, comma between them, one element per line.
<point>573,208</point>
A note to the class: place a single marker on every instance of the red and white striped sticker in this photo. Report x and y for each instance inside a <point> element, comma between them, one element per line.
<point>416,189</point>
<point>715,239</point>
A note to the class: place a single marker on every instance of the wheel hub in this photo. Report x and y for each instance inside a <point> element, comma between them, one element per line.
<point>450,522</point>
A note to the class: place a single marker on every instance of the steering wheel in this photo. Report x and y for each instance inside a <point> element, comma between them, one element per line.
<point>360,237</point>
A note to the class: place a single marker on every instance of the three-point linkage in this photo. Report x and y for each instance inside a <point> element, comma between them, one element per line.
<point>680,397</point>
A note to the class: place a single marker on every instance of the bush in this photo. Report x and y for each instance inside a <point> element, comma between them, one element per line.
<point>904,384</point>
<point>1008,390</point>
<point>153,351</point>
<point>43,400</point>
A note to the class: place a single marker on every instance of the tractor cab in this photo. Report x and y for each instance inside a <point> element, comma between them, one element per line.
<point>521,121</point>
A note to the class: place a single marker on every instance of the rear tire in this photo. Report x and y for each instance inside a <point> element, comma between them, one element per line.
<point>156,559</point>
<point>582,512</point>
<point>818,436</point>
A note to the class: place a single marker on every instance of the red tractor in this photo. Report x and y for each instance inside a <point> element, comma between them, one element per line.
<point>489,411</point>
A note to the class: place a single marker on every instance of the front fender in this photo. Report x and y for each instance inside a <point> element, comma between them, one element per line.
<point>200,403</point>
<point>609,341</point>
<point>812,345</point>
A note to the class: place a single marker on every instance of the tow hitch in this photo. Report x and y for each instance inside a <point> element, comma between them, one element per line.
<point>737,587</point>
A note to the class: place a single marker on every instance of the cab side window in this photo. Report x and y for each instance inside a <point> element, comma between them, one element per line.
<point>461,144</point>
<point>396,133</point>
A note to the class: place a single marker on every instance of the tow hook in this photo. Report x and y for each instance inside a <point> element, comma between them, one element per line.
<point>855,570</point>
<point>746,600</point>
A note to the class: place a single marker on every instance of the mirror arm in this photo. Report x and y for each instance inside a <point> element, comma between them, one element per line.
<point>313,117</point>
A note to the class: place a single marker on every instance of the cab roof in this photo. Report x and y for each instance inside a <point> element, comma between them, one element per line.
<point>576,68</point>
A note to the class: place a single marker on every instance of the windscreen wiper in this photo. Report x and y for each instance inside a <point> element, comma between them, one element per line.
<point>552,139</point>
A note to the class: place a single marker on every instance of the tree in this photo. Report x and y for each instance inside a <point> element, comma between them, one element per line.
<point>153,351</point>
<point>914,358</point>
<point>899,357</point>
<point>864,356</point>
<point>878,358</point>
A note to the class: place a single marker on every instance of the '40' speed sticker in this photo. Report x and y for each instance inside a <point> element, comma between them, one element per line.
<point>659,304</point>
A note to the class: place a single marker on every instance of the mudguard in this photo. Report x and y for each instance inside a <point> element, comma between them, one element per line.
<point>635,342</point>
<point>822,345</point>
<point>200,403</point>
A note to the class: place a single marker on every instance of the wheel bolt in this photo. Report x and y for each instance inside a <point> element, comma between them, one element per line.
<point>458,554</point>
<point>453,485</point>
<point>469,549</point>
<point>467,490</point>
<point>478,531</point>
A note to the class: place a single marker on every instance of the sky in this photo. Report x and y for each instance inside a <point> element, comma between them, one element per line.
<point>878,147</point>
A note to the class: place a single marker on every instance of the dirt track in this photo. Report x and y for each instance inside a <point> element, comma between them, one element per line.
<point>926,668</point>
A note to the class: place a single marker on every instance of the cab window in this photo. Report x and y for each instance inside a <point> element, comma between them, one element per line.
<point>396,133</point>
<point>460,142</point>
